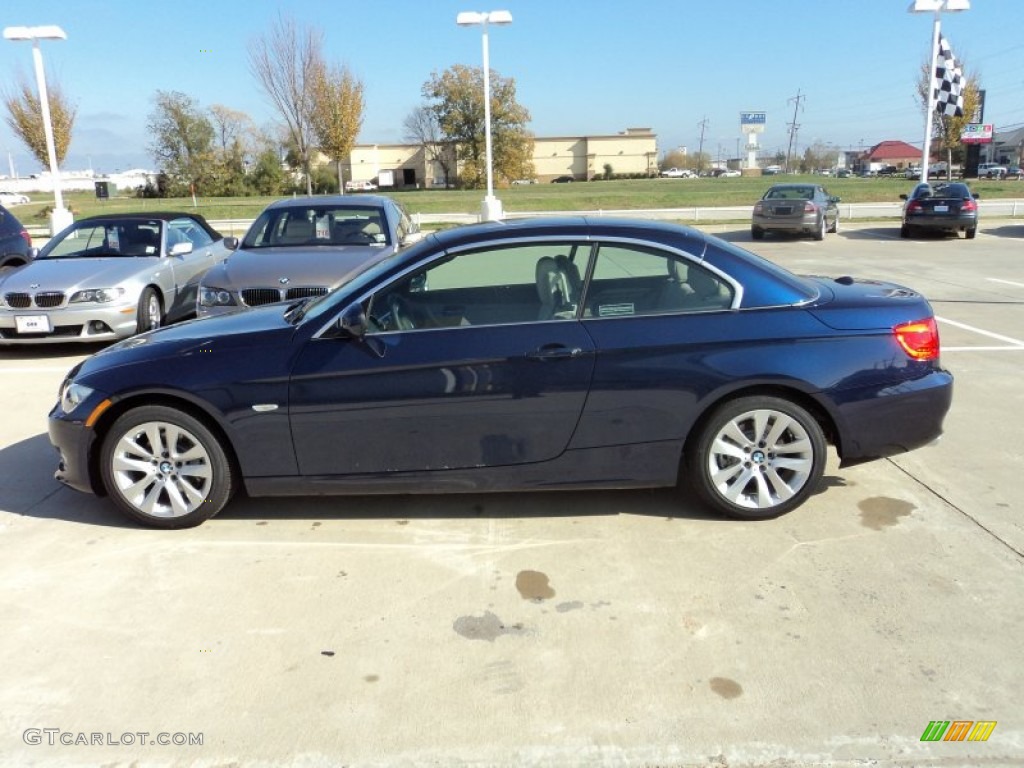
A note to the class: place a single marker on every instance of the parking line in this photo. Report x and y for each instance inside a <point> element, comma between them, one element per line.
<point>1004,282</point>
<point>999,337</point>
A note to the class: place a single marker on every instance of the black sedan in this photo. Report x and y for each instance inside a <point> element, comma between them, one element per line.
<point>529,355</point>
<point>947,208</point>
<point>15,242</point>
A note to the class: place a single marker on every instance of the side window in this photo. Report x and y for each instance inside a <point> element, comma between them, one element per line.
<point>191,232</point>
<point>491,286</point>
<point>630,281</point>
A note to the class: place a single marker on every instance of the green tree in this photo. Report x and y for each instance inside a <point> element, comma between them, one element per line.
<point>181,142</point>
<point>337,113</point>
<point>25,117</point>
<point>267,177</point>
<point>456,98</point>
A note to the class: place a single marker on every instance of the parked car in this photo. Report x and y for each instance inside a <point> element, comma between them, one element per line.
<point>771,170</point>
<point>677,173</point>
<point>523,182</point>
<point>843,173</point>
<point>730,173</point>
<point>303,246</point>
<point>944,207</point>
<point>13,198</point>
<point>108,277</point>
<point>913,172</point>
<point>360,186</point>
<point>531,354</point>
<point>15,242</point>
<point>887,170</point>
<point>1016,171</point>
<point>796,209</point>
<point>563,180</point>
<point>991,171</point>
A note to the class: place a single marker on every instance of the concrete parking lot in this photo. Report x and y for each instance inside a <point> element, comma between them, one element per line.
<point>572,629</point>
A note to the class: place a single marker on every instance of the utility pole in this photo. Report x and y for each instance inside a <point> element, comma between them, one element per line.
<point>700,149</point>
<point>793,126</point>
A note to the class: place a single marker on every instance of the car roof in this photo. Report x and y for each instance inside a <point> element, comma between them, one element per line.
<point>362,201</point>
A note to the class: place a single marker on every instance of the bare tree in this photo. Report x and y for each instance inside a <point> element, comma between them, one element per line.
<point>232,128</point>
<point>337,113</point>
<point>422,127</point>
<point>286,63</point>
<point>25,117</point>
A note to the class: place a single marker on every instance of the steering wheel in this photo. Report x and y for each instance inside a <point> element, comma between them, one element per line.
<point>401,318</point>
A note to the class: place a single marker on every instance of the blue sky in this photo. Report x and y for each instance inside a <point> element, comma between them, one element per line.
<point>581,66</point>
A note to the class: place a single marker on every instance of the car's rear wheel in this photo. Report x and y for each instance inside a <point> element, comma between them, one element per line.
<point>150,312</point>
<point>835,225</point>
<point>757,233</point>
<point>757,457</point>
<point>819,233</point>
<point>970,232</point>
<point>165,468</point>
<point>904,231</point>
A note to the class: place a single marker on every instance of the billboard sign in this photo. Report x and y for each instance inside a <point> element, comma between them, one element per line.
<point>977,133</point>
<point>752,122</point>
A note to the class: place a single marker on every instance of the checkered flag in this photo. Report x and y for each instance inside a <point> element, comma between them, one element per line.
<point>949,82</point>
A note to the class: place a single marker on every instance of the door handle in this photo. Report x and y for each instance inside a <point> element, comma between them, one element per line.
<point>554,352</point>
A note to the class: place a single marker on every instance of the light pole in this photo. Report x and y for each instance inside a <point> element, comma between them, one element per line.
<point>935,7</point>
<point>60,217</point>
<point>491,208</point>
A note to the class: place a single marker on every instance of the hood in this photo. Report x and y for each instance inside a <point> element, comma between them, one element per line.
<point>68,274</point>
<point>260,328</point>
<point>269,267</point>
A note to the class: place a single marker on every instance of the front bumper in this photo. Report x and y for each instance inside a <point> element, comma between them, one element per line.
<point>67,324</point>
<point>74,443</point>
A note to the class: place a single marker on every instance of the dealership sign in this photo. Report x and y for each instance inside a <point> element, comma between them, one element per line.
<point>977,133</point>
<point>752,122</point>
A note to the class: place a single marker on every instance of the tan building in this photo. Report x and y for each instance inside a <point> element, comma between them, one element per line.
<point>634,151</point>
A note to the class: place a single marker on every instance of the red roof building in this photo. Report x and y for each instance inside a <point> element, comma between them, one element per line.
<point>897,153</point>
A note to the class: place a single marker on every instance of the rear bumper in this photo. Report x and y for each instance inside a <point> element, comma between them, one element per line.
<point>879,423</point>
<point>942,223</point>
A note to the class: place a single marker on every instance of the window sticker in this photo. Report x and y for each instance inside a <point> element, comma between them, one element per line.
<point>323,227</point>
<point>113,241</point>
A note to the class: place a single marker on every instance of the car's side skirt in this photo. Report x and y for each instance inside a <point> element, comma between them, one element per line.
<point>647,465</point>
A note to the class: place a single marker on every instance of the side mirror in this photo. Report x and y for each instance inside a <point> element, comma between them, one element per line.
<point>903,197</point>
<point>231,243</point>
<point>181,249</point>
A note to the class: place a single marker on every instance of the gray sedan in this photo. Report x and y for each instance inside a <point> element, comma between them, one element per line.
<point>303,247</point>
<point>795,209</point>
<point>109,277</point>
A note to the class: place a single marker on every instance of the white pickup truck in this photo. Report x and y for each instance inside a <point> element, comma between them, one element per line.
<point>991,171</point>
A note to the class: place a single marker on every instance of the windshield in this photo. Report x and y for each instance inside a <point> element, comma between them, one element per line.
<point>299,226</point>
<point>110,237</point>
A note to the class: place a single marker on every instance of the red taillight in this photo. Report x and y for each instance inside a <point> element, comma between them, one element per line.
<point>919,339</point>
<point>914,207</point>
<point>26,237</point>
<point>968,206</point>
<point>758,207</point>
<point>810,207</point>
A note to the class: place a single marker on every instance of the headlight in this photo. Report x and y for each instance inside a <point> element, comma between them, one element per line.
<point>96,295</point>
<point>215,297</point>
<point>72,395</point>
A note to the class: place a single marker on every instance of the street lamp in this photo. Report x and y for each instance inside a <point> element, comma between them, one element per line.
<point>60,217</point>
<point>491,205</point>
<point>935,7</point>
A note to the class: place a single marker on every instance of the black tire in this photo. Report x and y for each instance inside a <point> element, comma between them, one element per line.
<point>783,464</point>
<point>174,484</point>
<point>756,233</point>
<point>834,229</point>
<point>150,313</point>
<point>904,231</point>
<point>970,233</point>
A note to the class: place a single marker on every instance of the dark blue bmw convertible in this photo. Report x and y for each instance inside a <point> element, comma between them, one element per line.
<point>528,355</point>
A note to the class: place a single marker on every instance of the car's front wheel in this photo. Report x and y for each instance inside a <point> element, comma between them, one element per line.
<point>757,457</point>
<point>165,468</point>
<point>149,314</point>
